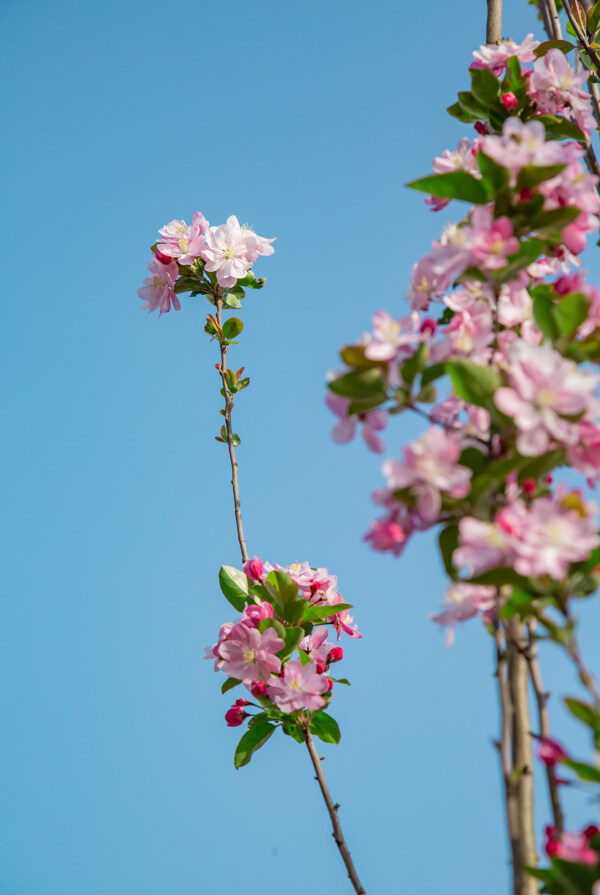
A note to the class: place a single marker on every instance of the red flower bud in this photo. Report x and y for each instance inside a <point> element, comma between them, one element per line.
<point>480,127</point>
<point>242,702</point>
<point>509,101</point>
<point>335,655</point>
<point>254,569</point>
<point>529,486</point>
<point>258,689</point>
<point>329,683</point>
<point>428,326</point>
<point>548,479</point>
<point>235,716</point>
<point>550,752</point>
<point>160,256</point>
<point>320,668</point>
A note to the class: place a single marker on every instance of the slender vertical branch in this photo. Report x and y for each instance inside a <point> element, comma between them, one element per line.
<point>522,757</point>
<point>544,724</point>
<point>585,675</point>
<point>333,814</point>
<point>551,19</point>
<point>493,29</point>
<point>230,445</point>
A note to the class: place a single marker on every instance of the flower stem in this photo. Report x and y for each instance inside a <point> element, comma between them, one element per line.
<point>234,466</point>
<point>333,814</point>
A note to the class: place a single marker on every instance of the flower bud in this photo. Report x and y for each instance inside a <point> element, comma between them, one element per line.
<point>235,716</point>
<point>242,702</point>
<point>428,326</point>
<point>529,486</point>
<point>329,683</point>
<point>258,689</point>
<point>160,256</point>
<point>480,127</point>
<point>550,752</point>
<point>320,668</point>
<point>254,569</point>
<point>335,655</point>
<point>509,101</point>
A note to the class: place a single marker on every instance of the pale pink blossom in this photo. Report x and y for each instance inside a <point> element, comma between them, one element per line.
<point>393,338</point>
<point>492,240</point>
<point>316,646</point>
<point>300,687</point>
<point>482,546</point>
<point>463,602</point>
<point>342,621</point>
<point>522,143</point>
<point>249,655</point>
<point>183,242</point>
<point>495,56</point>
<point>254,614</point>
<point>556,88</point>
<point>231,250</point>
<point>157,293</point>
<point>584,455</point>
<point>212,652</point>
<point>430,466</point>
<point>372,421</point>
<point>545,388</point>
<point>463,158</point>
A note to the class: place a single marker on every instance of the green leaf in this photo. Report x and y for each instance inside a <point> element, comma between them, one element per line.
<point>448,541</point>
<point>304,657</point>
<point>231,301</point>
<point>555,219</point>
<point>234,586</point>
<point>473,459</point>
<point>229,684</point>
<point>341,680</point>
<point>541,466</point>
<point>315,613</point>
<point>563,45</point>
<point>361,384</point>
<point>532,175</point>
<point>457,111</point>
<point>293,636</point>
<point>570,312</point>
<point>325,727</point>
<point>415,364</point>
<point>354,356</point>
<point>543,312</point>
<point>561,128</point>
<point>294,611</point>
<point>583,712</point>
<point>593,19</point>
<point>250,281</point>
<point>513,79</point>
<point>491,172</point>
<point>235,439</point>
<point>583,771</point>
<point>292,730</point>
<point>243,383</point>
<point>472,382</point>
<point>232,327</point>
<point>430,374</point>
<point>498,577</point>
<point>484,86</point>
<point>519,602</point>
<point>274,623</point>
<point>282,588</point>
<point>471,105</point>
<point>579,15</point>
<point>579,878</point>
<point>253,740</point>
<point>528,252</point>
<point>454,185</point>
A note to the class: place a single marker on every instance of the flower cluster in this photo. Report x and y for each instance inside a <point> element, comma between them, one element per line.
<point>279,648</point>
<point>201,259</point>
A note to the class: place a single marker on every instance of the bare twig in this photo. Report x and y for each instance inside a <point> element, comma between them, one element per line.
<point>232,460</point>
<point>541,696</point>
<point>493,29</point>
<point>504,748</point>
<point>333,814</point>
<point>551,19</point>
<point>585,676</point>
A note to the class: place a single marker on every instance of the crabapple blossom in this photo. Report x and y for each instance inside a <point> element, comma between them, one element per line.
<point>463,158</point>
<point>230,251</point>
<point>495,57</point>
<point>557,88</point>
<point>463,602</point>
<point>258,689</point>
<point>493,238</point>
<point>253,615</point>
<point>393,338</point>
<point>573,847</point>
<point>387,534</point>
<point>545,388</point>
<point>430,466</point>
<point>249,655</point>
<point>183,242</point>
<point>482,546</point>
<point>584,455</point>
<point>235,716</point>
<point>521,144</point>
<point>157,292</point>
<point>372,421</point>
<point>299,687</point>
<point>316,647</point>
<point>254,569</point>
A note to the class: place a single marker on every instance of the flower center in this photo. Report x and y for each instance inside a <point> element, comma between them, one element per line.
<point>248,654</point>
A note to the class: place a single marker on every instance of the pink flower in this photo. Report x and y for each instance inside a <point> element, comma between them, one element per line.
<point>463,602</point>
<point>393,338</point>
<point>258,689</point>
<point>316,646</point>
<point>336,654</point>
<point>342,621</point>
<point>550,752</point>
<point>300,687</point>
<point>584,455</point>
<point>556,88</point>
<point>235,716</point>
<point>482,546</point>
<point>493,239</point>
<point>430,466</point>
<point>249,655</point>
<point>231,250</point>
<point>212,652</point>
<point>183,242</point>
<point>522,143</point>
<point>254,569</point>
<point>573,847</point>
<point>463,158</point>
<point>253,615</point>
<point>372,421</point>
<point>495,56</point>
<point>157,291</point>
<point>387,534</point>
<point>545,387</point>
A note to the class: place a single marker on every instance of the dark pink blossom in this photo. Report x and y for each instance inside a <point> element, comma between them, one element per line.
<point>254,569</point>
<point>235,716</point>
<point>573,847</point>
<point>550,752</point>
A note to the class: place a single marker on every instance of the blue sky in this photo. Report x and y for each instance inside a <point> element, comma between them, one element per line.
<point>117,774</point>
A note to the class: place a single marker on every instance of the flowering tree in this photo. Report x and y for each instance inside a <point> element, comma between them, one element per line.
<point>498,354</point>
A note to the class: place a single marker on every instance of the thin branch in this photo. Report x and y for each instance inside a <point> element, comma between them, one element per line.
<point>581,36</point>
<point>333,814</point>
<point>510,792</point>
<point>551,19</point>
<point>585,676</point>
<point>493,28</point>
<point>232,460</point>
<point>541,697</point>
